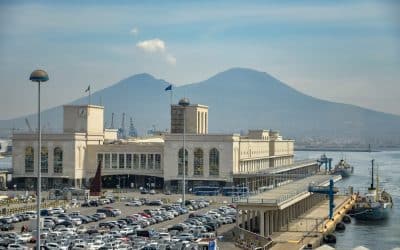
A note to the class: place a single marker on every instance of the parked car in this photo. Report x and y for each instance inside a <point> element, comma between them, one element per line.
<point>6,226</point>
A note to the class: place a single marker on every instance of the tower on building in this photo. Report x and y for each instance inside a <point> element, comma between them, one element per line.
<point>196,117</point>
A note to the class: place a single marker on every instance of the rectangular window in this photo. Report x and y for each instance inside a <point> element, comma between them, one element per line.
<point>158,161</point>
<point>100,158</point>
<point>121,160</point>
<point>107,162</point>
<point>114,160</point>
<point>128,160</point>
<point>135,161</point>
<point>142,161</point>
<point>150,161</point>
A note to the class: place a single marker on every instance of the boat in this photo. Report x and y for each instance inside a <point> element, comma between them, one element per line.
<point>374,205</point>
<point>343,168</point>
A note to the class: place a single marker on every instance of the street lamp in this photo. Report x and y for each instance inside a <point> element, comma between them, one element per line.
<point>39,76</point>
<point>184,102</point>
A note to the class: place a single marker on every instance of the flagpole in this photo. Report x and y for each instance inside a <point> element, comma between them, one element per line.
<point>170,96</point>
<point>89,95</point>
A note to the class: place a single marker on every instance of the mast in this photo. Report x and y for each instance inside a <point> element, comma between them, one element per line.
<point>377,184</point>
<point>372,174</point>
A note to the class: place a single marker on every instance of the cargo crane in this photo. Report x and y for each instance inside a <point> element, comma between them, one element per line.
<point>323,160</point>
<point>329,190</point>
<point>132,129</point>
<point>28,124</point>
<point>112,120</point>
<point>121,130</point>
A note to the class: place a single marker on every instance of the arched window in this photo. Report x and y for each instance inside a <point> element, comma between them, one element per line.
<point>198,162</point>
<point>58,160</point>
<point>180,162</point>
<point>214,161</point>
<point>29,159</point>
<point>44,160</point>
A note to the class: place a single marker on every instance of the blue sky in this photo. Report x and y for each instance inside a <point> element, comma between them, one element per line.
<point>345,51</point>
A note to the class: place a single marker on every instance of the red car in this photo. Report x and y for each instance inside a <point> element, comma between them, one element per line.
<point>145,215</point>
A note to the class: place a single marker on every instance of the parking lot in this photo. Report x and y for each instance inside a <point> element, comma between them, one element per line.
<point>210,217</point>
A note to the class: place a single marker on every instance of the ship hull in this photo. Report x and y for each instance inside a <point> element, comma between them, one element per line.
<point>377,213</point>
<point>343,172</point>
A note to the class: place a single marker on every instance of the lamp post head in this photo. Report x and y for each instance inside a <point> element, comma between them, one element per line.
<point>184,102</point>
<point>39,75</point>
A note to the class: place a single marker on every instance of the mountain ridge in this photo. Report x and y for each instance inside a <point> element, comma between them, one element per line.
<point>239,99</point>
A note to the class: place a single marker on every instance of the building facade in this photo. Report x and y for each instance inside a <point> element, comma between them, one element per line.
<point>70,158</point>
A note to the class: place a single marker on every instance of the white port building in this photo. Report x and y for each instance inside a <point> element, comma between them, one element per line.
<point>70,158</point>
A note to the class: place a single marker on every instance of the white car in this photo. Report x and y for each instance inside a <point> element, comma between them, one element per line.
<point>77,221</point>
<point>17,247</point>
<point>133,204</point>
<point>25,237</point>
<point>79,246</point>
<point>126,230</point>
<point>116,211</point>
<point>58,210</point>
<point>81,229</point>
<point>100,215</point>
<point>165,236</point>
<point>104,201</point>
<point>53,246</point>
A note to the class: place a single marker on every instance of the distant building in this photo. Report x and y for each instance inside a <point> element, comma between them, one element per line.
<point>70,158</point>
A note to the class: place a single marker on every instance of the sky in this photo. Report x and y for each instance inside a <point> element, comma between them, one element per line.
<point>342,51</point>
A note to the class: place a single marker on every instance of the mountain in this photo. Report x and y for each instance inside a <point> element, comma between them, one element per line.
<point>239,99</point>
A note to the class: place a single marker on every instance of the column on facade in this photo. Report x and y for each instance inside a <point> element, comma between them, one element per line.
<point>262,222</point>
<point>277,220</point>
<point>253,220</point>
<point>248,220</point>
<point>243,219</point>
<point>271,229</point>
<point>267,220</point>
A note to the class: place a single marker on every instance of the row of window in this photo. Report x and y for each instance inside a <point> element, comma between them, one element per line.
<point>198,162</point>
<point>122,160</point>
<point>44,162</point>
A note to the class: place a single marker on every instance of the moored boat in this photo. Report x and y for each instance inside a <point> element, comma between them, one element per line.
<point>343,168</point>
<point>374,205</point>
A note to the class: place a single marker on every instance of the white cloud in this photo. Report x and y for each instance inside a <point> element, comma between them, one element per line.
<point>153,45</point>
<point>134,31</point>
<point>170,59</point>
<point>157,46</point>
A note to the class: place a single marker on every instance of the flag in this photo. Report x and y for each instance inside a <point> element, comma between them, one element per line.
<point>169,87</point>
<point>88,89</point>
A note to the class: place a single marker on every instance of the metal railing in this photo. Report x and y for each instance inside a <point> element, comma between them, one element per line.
<point>280,199</point>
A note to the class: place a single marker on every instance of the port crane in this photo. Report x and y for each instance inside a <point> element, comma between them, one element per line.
<point>329,190</point>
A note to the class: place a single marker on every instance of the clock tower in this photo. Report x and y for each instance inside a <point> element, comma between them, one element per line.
<point>84,119</point>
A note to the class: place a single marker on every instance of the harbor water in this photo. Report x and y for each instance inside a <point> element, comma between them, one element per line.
<point>373,235</point>
<point>380,235</point>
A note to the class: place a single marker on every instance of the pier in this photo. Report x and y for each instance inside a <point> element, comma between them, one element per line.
<point>289,215</point>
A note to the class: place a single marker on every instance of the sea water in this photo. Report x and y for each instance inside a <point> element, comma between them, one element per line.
<point>380,235</point>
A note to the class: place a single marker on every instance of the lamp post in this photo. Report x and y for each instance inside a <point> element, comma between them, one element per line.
<point>39,76</point>
<point>184,103</point>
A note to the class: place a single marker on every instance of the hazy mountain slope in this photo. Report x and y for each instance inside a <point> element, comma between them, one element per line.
<point>238,99</point>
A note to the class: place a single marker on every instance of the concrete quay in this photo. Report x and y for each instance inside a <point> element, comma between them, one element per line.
<point>310,228</point>
<point>289,209</point>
